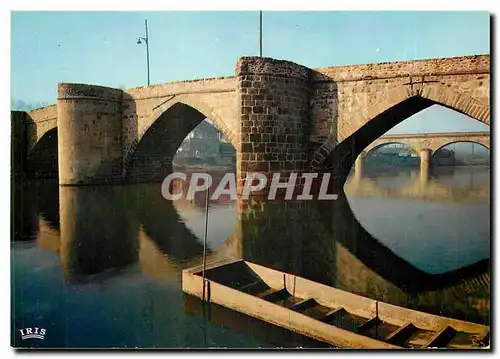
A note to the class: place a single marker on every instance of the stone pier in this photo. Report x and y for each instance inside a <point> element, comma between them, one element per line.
<point>425,164</point>
<point>425,159</point>
<point>359,166</point>
<point>272,101</point>
<point>89,134</point>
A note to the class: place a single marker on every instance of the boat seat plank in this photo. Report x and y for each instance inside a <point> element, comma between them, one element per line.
<point>237,284</point>
<point>275,295</point>
<point>401,334</point>
<point>368,324</point>
<point>419,338</point>
<point>441,338</point>
<point>315,310</point>
<point>332,314</point>
<point>380,331</point>
<point>303,304</point>
<point>248,287</point>
<point>347,321</point>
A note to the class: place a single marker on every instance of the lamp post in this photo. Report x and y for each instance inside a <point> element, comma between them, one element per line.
<point>260,33</point>
<point>146,40</point>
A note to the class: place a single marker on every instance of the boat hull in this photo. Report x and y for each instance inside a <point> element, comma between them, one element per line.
<point>225,294</point>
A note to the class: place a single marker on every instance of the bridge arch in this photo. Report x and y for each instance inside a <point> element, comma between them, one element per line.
<point>399,104</point>
<point>40,121</point>
<point>440,94</point>
<point>370,150</point>
<point>435,154</point>
<point>149,158</point>
<point>200,106</point>
<point>43,158</point>
<point>484,143</point>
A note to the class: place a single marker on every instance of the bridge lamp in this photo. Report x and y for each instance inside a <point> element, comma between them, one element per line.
<point>145,39</point>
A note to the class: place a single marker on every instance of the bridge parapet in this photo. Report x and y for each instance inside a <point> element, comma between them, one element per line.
<point>477,64</point>
<point>207,85</point>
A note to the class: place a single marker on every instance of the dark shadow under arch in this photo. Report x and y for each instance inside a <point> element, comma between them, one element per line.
<point>378,160</point>
<point>164,225</point>
<point>152,158</point>
<point>342,157</point>
<point>371,252</point>
<point>43,159</point>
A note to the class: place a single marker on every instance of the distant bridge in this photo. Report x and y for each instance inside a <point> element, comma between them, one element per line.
<point>431,141</point>
<point>425,144</point>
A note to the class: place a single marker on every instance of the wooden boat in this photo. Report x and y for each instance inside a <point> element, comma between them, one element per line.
<point>325,313</point>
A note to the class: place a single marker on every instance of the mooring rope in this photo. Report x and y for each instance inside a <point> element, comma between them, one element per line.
<point>204,266</point>
<point>205,244</point>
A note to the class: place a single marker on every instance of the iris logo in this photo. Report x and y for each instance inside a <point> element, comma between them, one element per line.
<point>29,333</point>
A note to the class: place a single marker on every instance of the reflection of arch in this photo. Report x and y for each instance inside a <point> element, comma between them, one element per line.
<point>356,239</point>
<point>161,222</point>
<point>23,216</point>
<point>398,104</point>
<point>43,159</point>
<point>150,158</point>
<point>47,203</point>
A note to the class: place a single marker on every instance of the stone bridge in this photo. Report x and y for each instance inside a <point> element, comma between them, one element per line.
<point>424,144</point>
<point>279,116</point>
<point>431,141</point>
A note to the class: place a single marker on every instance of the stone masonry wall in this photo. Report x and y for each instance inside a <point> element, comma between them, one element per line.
<point>366,90</point>
<point>143,106</point>
<point>272,102</point>
<point>89,134</point>
<point>324,112</point>
<point>18,143</point>
<point>39,122</point>
<point>43,160</point>
<point>475,64</point>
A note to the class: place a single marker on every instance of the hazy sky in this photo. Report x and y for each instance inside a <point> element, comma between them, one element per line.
<point>100,47</point>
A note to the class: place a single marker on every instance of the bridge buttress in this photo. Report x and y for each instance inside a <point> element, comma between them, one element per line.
<point>89,134</point>
<point>273,110</point>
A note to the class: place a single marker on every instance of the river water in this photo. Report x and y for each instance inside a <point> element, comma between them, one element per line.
<point>101,266</point>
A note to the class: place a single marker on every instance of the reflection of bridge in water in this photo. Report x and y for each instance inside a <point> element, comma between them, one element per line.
<point>419,184</point>
<point>102,229</point>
